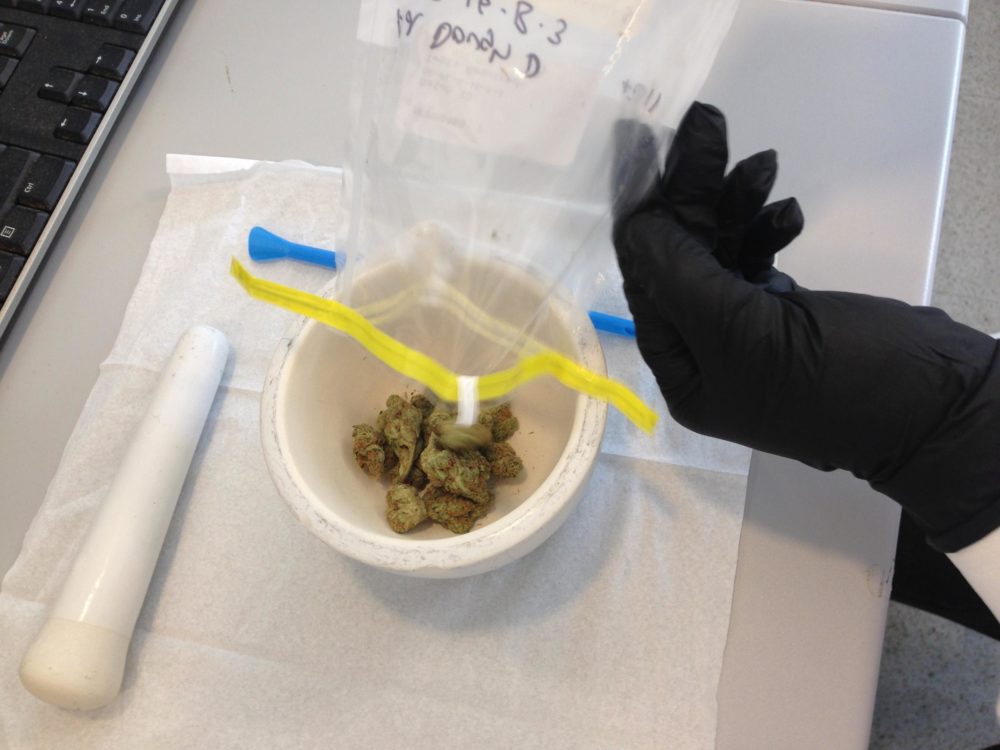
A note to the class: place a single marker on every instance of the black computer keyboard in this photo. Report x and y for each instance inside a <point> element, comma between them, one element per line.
<point>66,70</point>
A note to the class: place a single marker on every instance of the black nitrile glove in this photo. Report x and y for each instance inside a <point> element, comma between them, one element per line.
<point>901,396</point>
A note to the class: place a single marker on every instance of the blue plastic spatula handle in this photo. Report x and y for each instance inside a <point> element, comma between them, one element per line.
<point>612,324</point>
<point>264,245</point>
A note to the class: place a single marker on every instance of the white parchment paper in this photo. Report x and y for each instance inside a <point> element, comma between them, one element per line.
<point>256,635</point>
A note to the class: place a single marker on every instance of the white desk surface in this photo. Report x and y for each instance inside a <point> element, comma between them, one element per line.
<point>858,102</point>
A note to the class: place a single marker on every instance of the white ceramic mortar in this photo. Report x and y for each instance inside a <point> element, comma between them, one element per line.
<point>321,383</point>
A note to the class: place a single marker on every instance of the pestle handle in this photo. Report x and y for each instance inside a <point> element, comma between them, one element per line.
<point>78,659</point>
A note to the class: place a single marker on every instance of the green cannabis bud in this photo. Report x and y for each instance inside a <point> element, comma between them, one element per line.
<point>369,451</point>
<point>457,514</point>
<point>437,470</point>
<point>504,461</point>
<point>400,423</point>
<point>406,509</point>
<point>423,403</point>
<point>501,421</point>
<point>463,473</point>
<point>435,422</point>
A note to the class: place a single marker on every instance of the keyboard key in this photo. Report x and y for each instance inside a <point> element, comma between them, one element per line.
<point>8,3</point>
<point>20,228</point>
<point>112,61</point>
<point>36,6</point>
<point>45,183</point>
<point>66,8</point>
<point>77,125</point>
<point>93,92</point>
<point>137,15</point>
<point>60,85</point>
<point>10,267</point>
<point>14,40</point>
<point>14,164</point>
<point>103,14</point>
<point>7,65</point>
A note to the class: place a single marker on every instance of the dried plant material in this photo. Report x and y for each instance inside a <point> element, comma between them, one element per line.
<point>501,421</point>
<point>400,423</point>
<point>417,478</point>
<point>504,461</point>
<point>406,509</point>
<point>457,514</point>
<point>435,422</point>
<point>424,404</point>
<point>464,473</point>
<point>437,470</point>
<point>391,464</point>
<point>369,451</point>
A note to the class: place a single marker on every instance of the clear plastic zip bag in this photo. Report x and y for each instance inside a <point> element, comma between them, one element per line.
<point>488,154</point>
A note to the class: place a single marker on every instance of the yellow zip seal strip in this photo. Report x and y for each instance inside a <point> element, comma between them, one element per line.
<point>433,374</point>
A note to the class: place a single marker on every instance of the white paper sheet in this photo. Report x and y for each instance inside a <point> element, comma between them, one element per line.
<point>257,635</point>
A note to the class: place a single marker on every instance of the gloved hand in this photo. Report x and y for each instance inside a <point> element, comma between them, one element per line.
<point>901,396</point>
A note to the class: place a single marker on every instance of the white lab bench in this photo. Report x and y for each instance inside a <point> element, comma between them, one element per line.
<point>857,97</point>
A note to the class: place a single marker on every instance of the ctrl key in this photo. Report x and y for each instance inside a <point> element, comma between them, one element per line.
<point>20,228</point>
<point>77,125</point>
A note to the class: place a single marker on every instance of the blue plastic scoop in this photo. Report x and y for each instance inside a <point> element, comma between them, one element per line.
<point>264,246</point>
<point>612,324</point>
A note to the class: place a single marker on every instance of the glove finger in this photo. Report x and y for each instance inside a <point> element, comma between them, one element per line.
<point>695,167</point>
<point>746,189</point>
<point>772,229</point>
<point>663,350</point>
<point>634,167</point>
<point>743,194</point>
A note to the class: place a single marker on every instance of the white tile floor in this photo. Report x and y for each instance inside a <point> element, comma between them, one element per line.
<point>939,682</point>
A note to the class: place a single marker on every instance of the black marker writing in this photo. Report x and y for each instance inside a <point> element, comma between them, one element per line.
<point>647,97</point>
<point>448,32</point>
<point>534,66</point>
<point>481,5</point>
<point>486,41</point>
<point>556,38</point>
<point>522,11</point>
<point>407,19</point>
